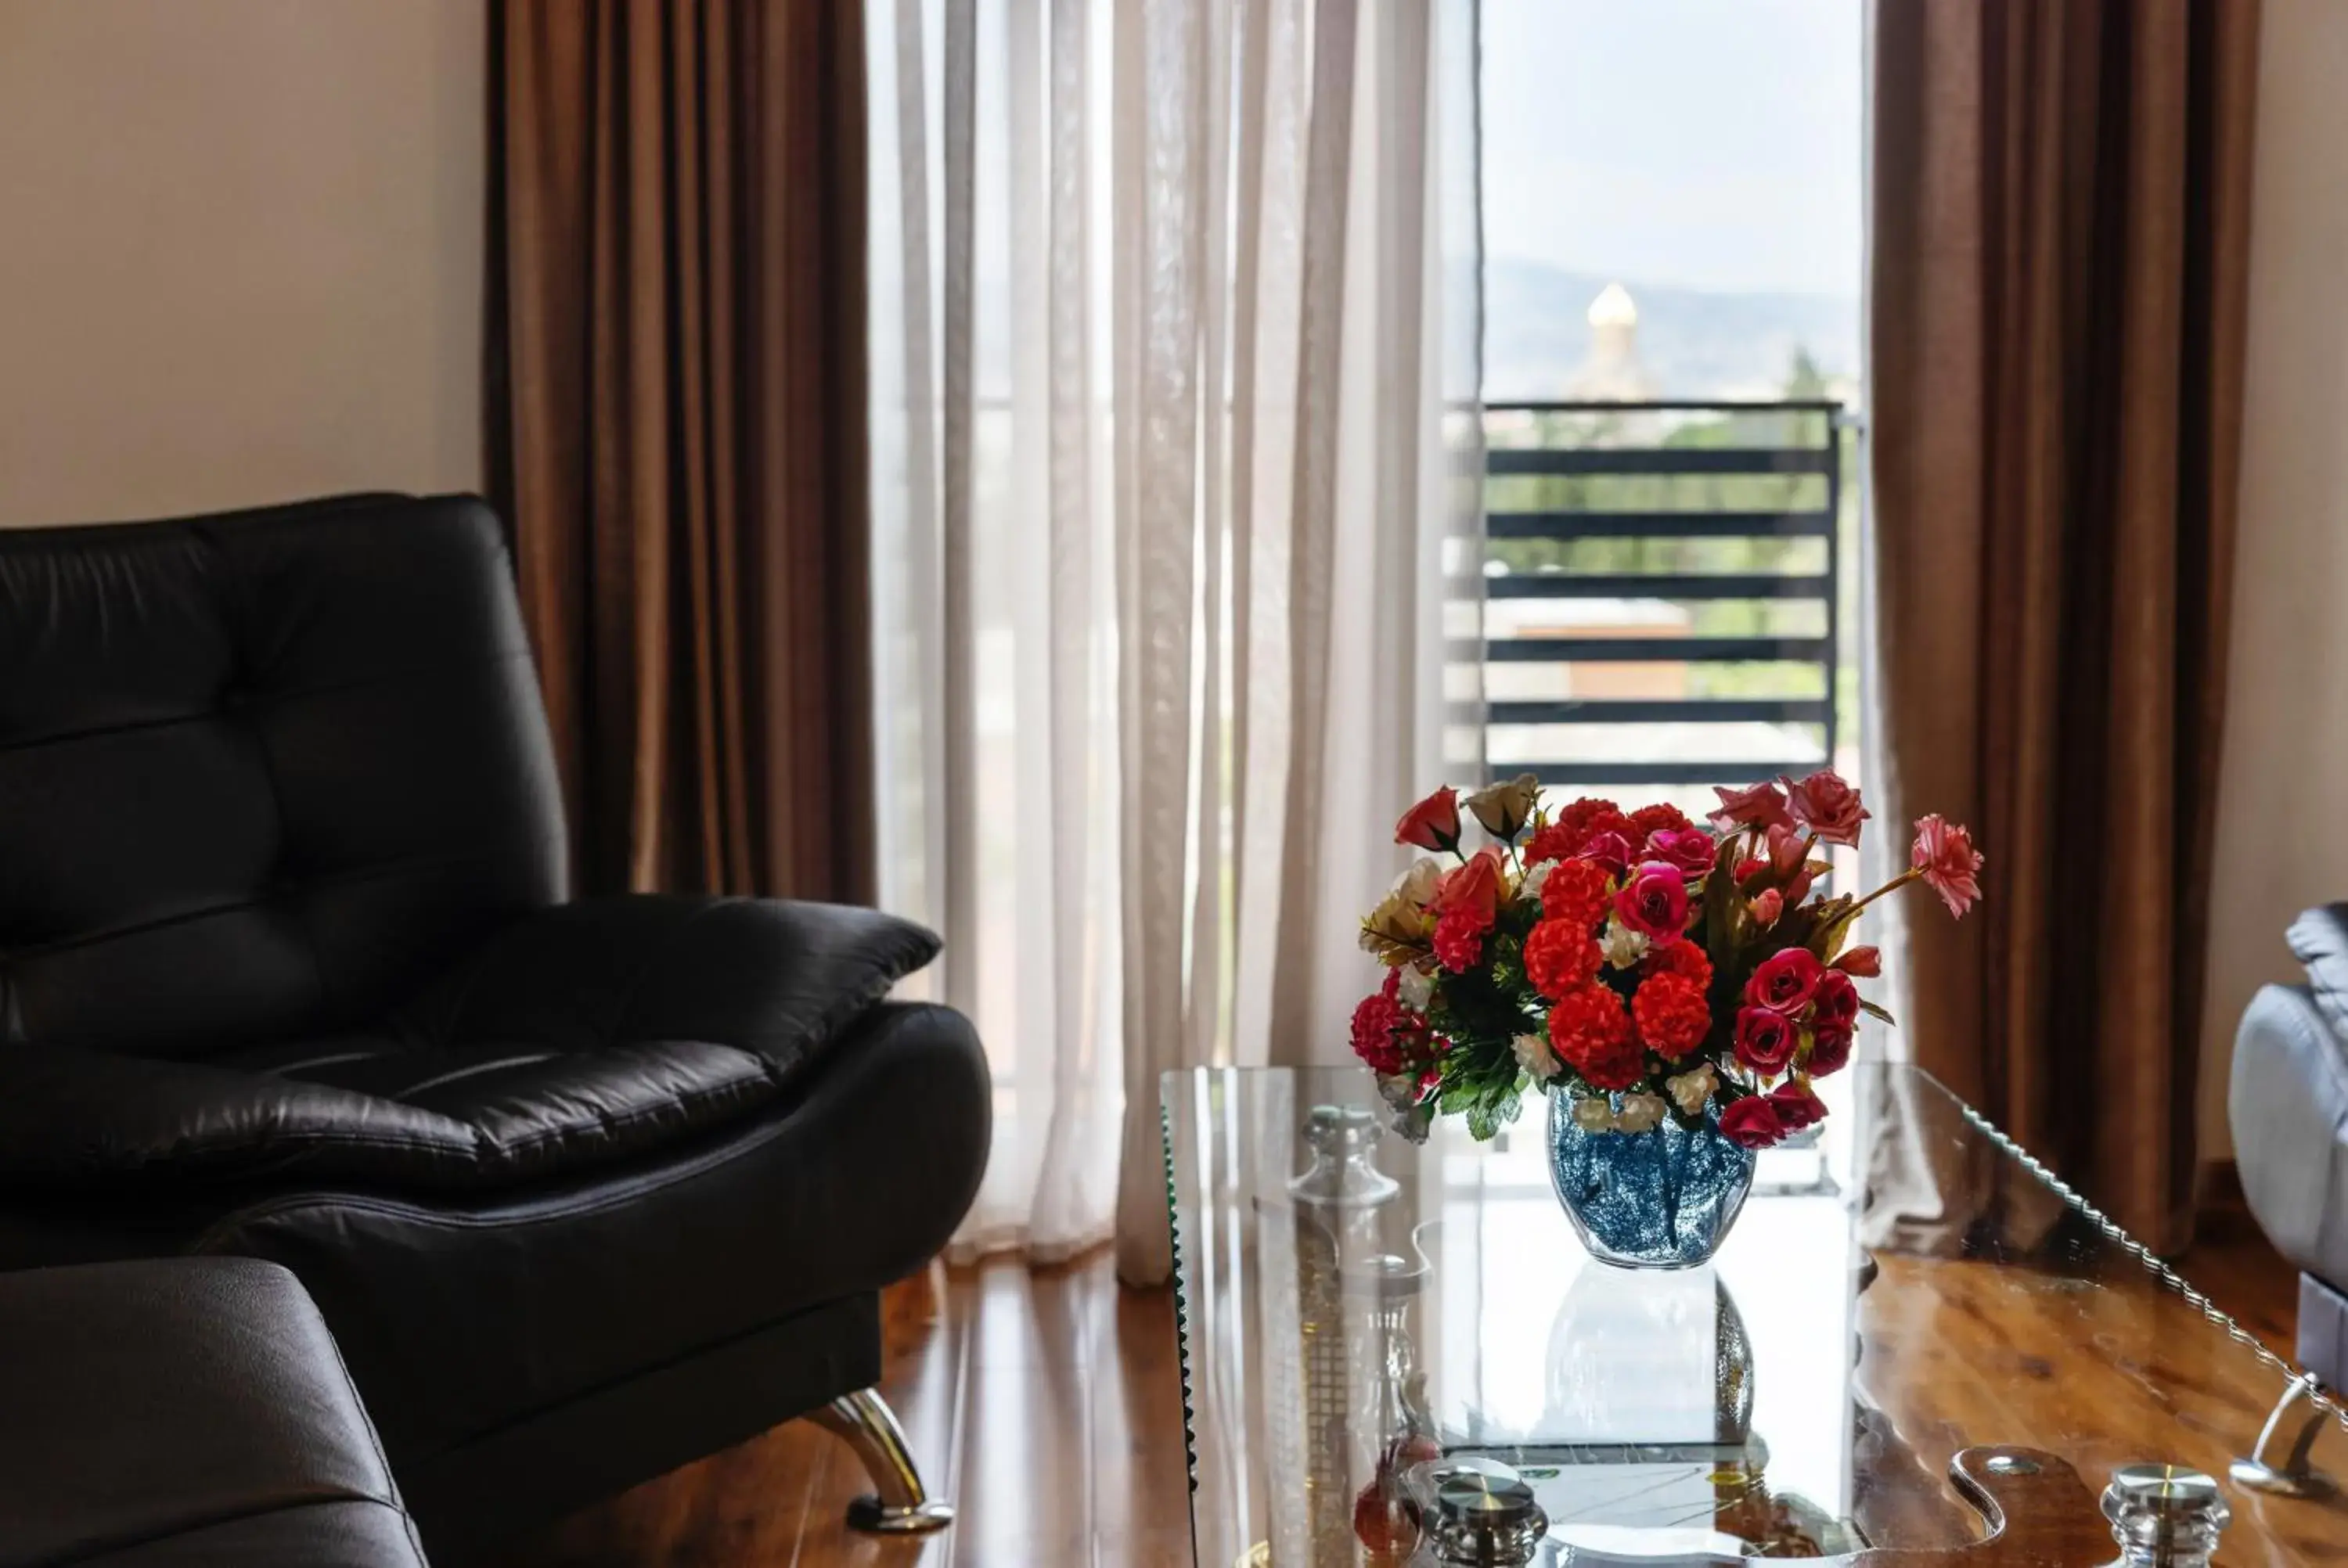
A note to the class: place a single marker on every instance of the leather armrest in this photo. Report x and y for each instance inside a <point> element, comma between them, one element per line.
<point>772,976</point>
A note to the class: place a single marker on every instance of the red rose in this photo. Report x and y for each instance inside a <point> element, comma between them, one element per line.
<point>1651,820</point>
<point>1433,823</point>
<point>1829,1052</point>
<point>1836,1002</point>
<point>1376,1022</point>
<point>1944,854</point>
<point>1654,900</point>
<point>1765,1039</point>
<point>1690,848</point>
<point>1671,1013</point>
<point>1759,806</point>
<point>1575,892</point>
<point>1679,957</point>
<point>1796,1107</point>
<point>1864,962</point>
<point>1609,847</point>
<point>1826,805</point>
<point>1591,1034</point>
<point>1559,956</point>
<point>1785,980</point>
<point>1751,1123</point>
<point>1472,889</point>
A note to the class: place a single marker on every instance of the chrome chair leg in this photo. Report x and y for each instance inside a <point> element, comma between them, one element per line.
<point>2294,1477</point>
<point>898,1505</point>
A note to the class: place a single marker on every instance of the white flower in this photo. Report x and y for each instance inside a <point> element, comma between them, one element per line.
<point>1639,1113</point>
<point>1624,947</point>
<point>1593,1115</point>
<point>1535,1057</point>
<point>1418,883</point>
<point>1417,988</point>
<point>1690,1090</point>
<point>1531,886</point>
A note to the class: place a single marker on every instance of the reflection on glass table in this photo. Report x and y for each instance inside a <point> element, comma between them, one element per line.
<point>1356,1308</point>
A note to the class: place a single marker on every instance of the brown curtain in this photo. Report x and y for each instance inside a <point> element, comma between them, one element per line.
<point>2060,225</point>
<point>677,428</point>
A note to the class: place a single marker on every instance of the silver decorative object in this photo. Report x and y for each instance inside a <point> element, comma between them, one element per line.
<point>1479,1513</point>
<point>2164,1516</point>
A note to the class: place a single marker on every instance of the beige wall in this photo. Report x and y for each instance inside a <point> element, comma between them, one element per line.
<point>2283,827</point>
<point>239,252</point>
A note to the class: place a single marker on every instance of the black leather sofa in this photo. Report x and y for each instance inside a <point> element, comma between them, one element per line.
<point>585,1190</point>
<point>191,1413</point>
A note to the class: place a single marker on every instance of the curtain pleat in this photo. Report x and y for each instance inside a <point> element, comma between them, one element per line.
<point>677,427</point>
<point>2060,229</point>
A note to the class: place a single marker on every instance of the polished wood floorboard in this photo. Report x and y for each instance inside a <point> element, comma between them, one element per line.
<point>1047,1404</point>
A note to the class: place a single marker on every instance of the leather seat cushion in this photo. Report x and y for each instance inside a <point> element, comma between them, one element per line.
<point>457,1310</point>
<point>583,1036</point>
<point>147,1400</point>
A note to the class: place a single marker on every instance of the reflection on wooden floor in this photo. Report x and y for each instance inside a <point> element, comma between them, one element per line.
<point>1048,1406</point>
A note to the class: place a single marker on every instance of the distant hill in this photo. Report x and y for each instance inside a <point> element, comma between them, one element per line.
<point>1694,343</point>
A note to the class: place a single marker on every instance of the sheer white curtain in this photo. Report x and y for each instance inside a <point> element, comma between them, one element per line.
<point>1175,479</point>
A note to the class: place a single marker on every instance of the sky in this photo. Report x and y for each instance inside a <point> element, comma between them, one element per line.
<point>1708,144</point>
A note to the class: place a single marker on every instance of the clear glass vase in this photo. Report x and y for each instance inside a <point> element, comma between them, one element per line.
<point>1663,1198</point>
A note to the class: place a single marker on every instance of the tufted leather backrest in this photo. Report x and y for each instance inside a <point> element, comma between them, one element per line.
<point>261,772</point>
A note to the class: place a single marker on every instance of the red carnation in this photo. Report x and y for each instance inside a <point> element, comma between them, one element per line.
<point>1573,829</point>
<point>1377,1022</point>
<point>1751,1123</point>
<point>1459,940</point>
<point>1671,1015</point>
<point>1651,820</point>
<point>1559,956</point>
<point>1591,1034</point>
<point>1680,957</point>
<point>1575,892</point>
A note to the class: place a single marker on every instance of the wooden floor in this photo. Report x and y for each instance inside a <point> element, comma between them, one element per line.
<point>1047,1404</point>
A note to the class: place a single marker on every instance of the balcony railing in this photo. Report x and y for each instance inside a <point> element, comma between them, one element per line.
<point>1662,591</point>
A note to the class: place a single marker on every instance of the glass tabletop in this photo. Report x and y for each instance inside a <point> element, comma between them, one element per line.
<point>1906,1286</point>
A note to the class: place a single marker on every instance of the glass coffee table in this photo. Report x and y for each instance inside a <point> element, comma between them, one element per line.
<point>1915,1347</point>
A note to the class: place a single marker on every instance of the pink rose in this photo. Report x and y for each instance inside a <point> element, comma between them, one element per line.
<point>1788,863</point>
<point>1864,962</point>
<point>1691,849</point>
<point>1433,823</point>
<point>1654,900</point>
<point>1607,848</point>
<point>1767,907</point>
<point>1835,1004</point>
<point>1751,1123</point>
<point>1826,805</point>
<point>1765,1039</point>
<point>1761,806</point>
<point>1829,1051</point>
<point>1785,981</point>
<point>1796,1107</point>
<point>1944,854</point>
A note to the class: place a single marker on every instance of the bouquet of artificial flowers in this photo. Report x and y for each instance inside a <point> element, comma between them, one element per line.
<point>1644,964</point>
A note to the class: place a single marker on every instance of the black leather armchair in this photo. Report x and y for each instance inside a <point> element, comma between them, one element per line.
<point>584,1190</point>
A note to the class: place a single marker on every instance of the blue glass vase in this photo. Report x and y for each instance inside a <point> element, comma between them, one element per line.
<point>1664,1198</point>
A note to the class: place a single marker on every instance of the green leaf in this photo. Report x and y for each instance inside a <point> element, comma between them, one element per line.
<point>1875,1012</point>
